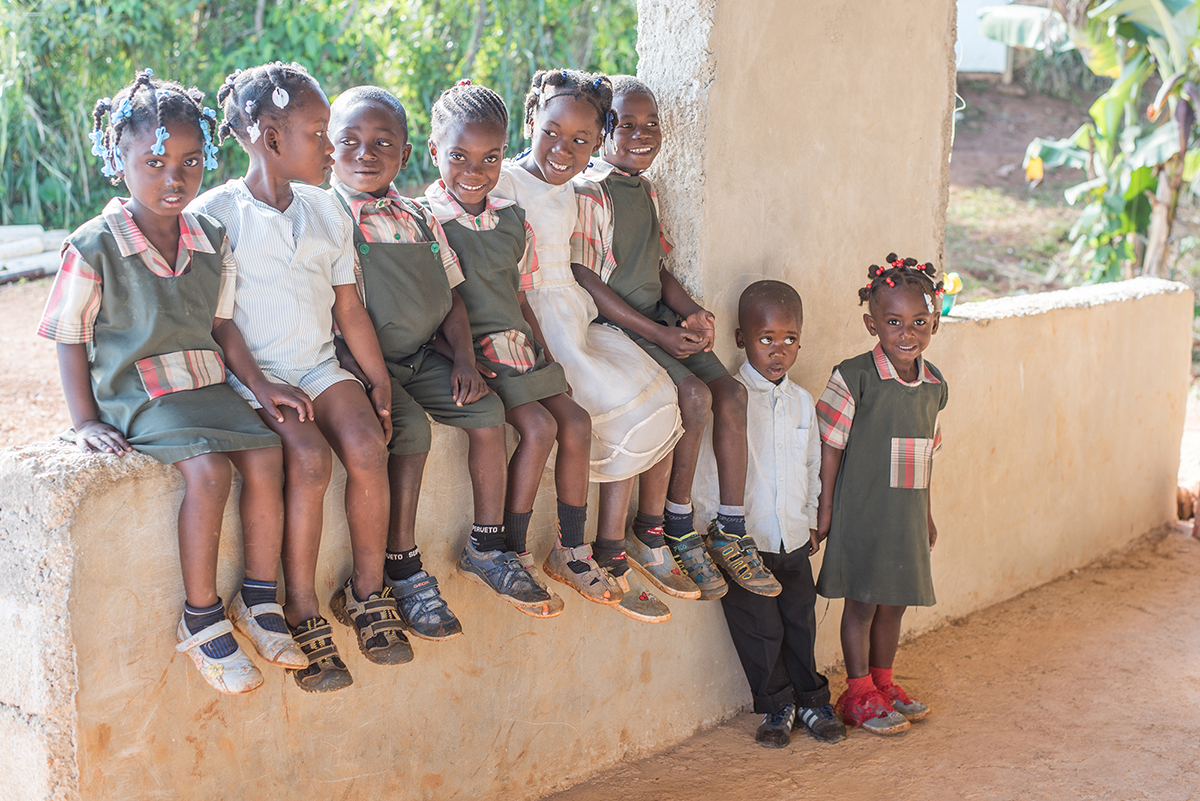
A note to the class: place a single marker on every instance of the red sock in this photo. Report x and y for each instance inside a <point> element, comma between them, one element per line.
<point>882,677</point>
<point>860,686</point>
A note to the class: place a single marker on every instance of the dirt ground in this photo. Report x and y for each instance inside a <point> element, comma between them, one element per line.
<point>31,402</point>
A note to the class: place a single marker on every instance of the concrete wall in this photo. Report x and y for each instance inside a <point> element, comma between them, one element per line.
<point>801,146</point>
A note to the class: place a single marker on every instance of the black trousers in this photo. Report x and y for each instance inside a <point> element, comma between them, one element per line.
<point>774,637</point>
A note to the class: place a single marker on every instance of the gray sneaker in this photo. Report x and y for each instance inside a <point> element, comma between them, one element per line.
<point>422,609</point>
<point>501,572</point>
<point>694,561</point>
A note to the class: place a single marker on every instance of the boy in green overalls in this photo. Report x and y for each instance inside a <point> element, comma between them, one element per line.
<point>620,225</point>
<point>408,274</point>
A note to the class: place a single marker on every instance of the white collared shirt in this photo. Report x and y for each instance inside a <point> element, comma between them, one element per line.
<point>783,473</point>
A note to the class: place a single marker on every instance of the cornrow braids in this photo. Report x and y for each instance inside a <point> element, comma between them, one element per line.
<point>902,272</point>
<point>268,91</point>
<point>148,104</point>
<point>466,103</point>
<point>595,88</point>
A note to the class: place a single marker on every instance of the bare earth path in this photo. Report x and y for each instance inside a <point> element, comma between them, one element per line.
<point>1086,688</point>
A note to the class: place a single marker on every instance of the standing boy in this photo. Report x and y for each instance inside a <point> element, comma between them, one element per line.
<point>774,636</point>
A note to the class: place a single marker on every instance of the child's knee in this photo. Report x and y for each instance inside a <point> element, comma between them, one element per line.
<point>364,451</point>
<point>490,437</point>
<point>537,427</point>
<point>695,401</point>
<point>207,474</point>
<point>309,466</point>
<point>577,424</point>
<point>729,396</point>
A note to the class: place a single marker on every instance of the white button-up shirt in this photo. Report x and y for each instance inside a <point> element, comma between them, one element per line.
<point>783,475</point>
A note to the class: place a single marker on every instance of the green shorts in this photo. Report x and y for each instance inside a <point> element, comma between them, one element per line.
<point>704,365</point>
<point>421,384</point>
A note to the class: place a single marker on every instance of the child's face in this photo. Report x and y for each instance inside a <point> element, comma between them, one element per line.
<point>565,135</point>
<point>771,338</point>
<point>905,319</point>
<point>300,146</point>
<point>370,147</point>
<point>163,185</point>
<point>468,157</point>
<point>637,138</point>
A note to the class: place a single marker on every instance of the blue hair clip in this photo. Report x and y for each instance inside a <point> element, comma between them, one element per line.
<point>98,148</point>
<point>160,134</point>
<point>563,73</point>
<point>149,72</point>
<point>161,93</point>
<point>125,111</point>
<point>117,161</point>
<point>597,83</point>
<point>210,113</point>
<point>112,163</point>
<point>210,149</point>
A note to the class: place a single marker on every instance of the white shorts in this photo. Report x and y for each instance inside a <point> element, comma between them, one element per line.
<point>311,382</point>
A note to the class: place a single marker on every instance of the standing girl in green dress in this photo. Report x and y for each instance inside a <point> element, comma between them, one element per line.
<point>879,430</point>
<point>141,312</point>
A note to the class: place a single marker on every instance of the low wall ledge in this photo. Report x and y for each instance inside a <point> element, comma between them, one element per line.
<point>1075,298</point>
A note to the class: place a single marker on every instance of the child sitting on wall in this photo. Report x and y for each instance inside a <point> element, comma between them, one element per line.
<point>774,636</point>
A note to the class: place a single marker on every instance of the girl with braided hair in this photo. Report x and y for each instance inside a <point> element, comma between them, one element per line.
<point>294,249</point>
<point>141,310</point>
<point>878,419</point>
<point>631,400</point>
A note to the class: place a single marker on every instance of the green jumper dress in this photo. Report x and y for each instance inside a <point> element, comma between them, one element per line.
<point>489,262</point>
<point>157,373</point>
<point>878,547</point>
<point>407,298</point>
<point>638,251</point>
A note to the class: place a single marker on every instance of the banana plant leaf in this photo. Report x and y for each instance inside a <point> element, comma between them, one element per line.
<point>1025,26</point>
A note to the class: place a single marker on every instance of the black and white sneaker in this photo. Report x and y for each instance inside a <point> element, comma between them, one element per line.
<point>776,728</point>
<point>821,723</point>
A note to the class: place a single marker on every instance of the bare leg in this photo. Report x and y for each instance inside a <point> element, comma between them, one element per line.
<point>857,618</point>
<point>729,439</point>
<point>404,477</point>
<point>652,487</point>
<point>885,635</point>
<point>695,402</point>
<point>573,463</point>
<point>613,509</point>
<point>261,508</point>
<point>307,465</point>
<point>207,479</point>
<point>485,461</point>
<point>537,429</point>
<point>347,420</point>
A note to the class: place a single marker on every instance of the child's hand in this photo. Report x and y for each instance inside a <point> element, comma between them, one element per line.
<point>704,324</point>
<point>272,396</point>
<point>466,384</point>
<point>824,521</point>
<point>932,534</point>
<point>97,437</point>
<point>814,542</point>
<point>678,342</point>
<point>348,362</point>
<point>381,399</point>
<point>484,370</point>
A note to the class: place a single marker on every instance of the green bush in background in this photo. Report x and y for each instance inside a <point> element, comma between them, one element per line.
<point>58,56</point>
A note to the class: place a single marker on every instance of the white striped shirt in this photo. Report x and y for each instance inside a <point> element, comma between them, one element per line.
<point>288,264</point>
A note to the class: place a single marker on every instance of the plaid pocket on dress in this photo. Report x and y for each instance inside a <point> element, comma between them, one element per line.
<point>510,348</point>
<point>911,460</point>
<point>183,370</point>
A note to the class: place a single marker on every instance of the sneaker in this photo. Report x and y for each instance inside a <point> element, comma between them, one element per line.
<point>911,709</point>
<point>821,723</point>
<point>695,562</point>
<point>658,565</point>
<point>422,609</point>
<point>638,602</point>
<point>738,556</point>
<point>376,621</point>
<point>594,583</point>
<point>776,728</point>
<point>872,713</point>
<point>552,608</point>
<point>326,671</point>
<point>501,572</point>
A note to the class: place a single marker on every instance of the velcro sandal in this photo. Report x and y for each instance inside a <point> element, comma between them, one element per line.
<point>234,674</point>
<point>422,609</point>
<point>694,561</point>
<point>551,608</point>
<point>276,647</point>
<point>738,557</point>
<point>595,583</point>
<point>376,621</point>
<point>658,566</point>
<point>502,573</point>
<point>638,602</point>
<point>326,671</point>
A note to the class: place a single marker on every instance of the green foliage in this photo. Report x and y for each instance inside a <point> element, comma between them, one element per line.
<point>58,56</point>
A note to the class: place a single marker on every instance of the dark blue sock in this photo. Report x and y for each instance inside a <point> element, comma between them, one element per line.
<point>264,592</point>
<point>676,525</point>
<point>197,620</point>
<point>733,525</point>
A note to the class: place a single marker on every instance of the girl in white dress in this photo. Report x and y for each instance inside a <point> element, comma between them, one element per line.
<point>632,401</point>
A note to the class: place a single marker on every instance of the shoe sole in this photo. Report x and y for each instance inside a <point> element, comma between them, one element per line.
<point>629,613</point>
<point>237,624</point>
<point>337,605</point>
<point>333,684</point>
<point>916,717</point>
<point>610,602</point>
<point>766,592</point>
<point>428,638</point>
<point>528,607</point>
<point>692,595</point>
<point>890,730</point>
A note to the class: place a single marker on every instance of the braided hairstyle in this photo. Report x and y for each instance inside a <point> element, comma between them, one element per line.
<point>466,103</point>
<point>148,104</point>
<point>901,272</point>
<point>595,88</point>
<point>269,91</point>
